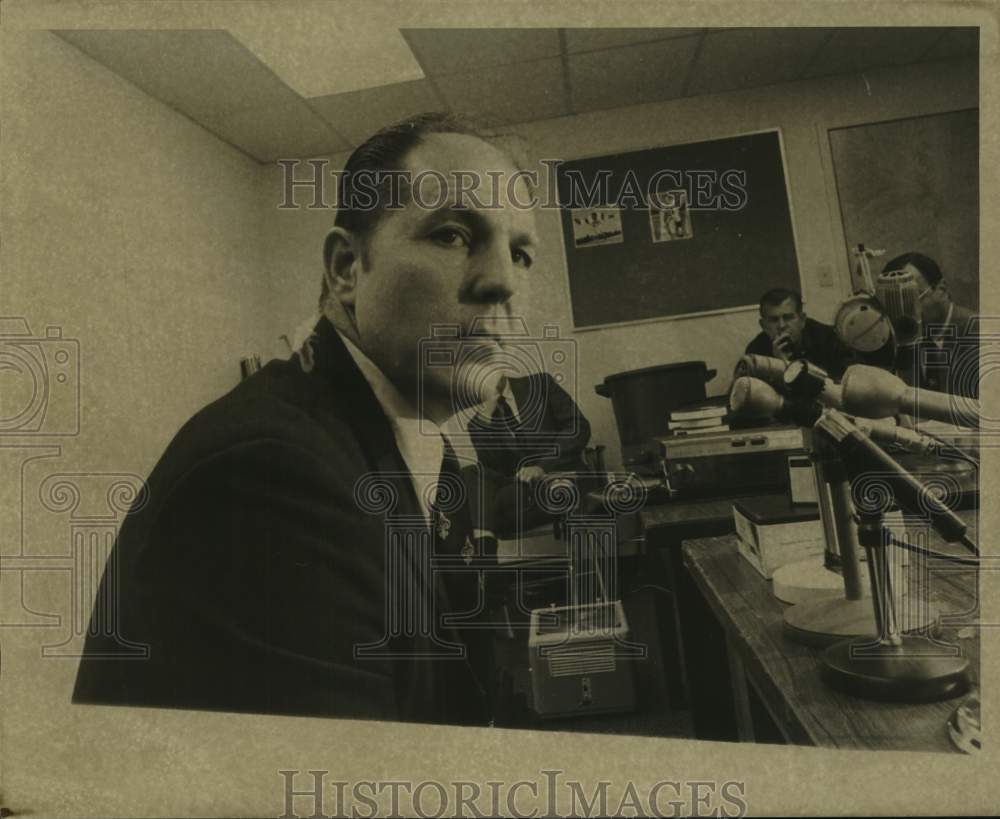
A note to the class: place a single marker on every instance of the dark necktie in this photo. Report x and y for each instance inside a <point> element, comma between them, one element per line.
<point>450,502</point>
<point>457,548</point>
<point>503,415</point>
<point>505,423</point>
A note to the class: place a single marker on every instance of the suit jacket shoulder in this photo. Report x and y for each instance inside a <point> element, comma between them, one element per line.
<point>257,566</point>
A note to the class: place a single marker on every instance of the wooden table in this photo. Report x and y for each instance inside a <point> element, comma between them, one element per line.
<point>776,683</point>
<point>666,526</point>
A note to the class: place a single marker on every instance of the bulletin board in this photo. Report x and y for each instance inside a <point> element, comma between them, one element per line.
<point>713,230</point>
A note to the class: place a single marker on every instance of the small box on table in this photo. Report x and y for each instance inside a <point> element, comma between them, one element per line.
<point>771,532</point>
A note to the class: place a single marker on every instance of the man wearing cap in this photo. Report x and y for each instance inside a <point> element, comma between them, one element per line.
<point>305,544</point>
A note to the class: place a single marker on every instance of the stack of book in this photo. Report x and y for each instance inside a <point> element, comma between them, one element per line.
<point>698,420</point>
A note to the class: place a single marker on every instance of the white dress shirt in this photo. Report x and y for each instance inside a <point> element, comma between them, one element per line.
<point>420,442</point>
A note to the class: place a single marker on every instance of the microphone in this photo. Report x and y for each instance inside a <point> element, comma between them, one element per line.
<point>886,432</point>
<point>877,393</point>
<point>871,469</point>
<point>762,367</point>
<point>807,381</point>
<point>862,325</point>
<point>899,293</point>
<point>756,398</point>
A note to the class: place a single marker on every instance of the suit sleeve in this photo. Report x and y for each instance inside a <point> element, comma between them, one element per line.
<point>571,430</point>
<point>253,583</point>
<point>760,344</point>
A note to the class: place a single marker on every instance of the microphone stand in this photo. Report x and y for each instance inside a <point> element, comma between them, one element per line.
<point>827,620</point>
<point>821,619</point>
<point>891,665</point>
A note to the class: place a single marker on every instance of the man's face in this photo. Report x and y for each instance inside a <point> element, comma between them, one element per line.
<point>934,301</point>
<point>783,319</point>
<point>445,260</point>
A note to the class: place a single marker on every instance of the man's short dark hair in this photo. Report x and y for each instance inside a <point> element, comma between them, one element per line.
<point>925,264</point>
<point>377,158</point>
<point>779,295</point>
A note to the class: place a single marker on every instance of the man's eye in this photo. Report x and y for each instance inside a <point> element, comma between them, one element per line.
<point>450,237</point>
<point>521,257</point>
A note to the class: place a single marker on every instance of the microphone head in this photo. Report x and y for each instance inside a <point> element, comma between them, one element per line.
<point>862,325</point>
<point>762,367</point>
<point>752,397</point>
<point>871,392</point>
<point>898,291</point>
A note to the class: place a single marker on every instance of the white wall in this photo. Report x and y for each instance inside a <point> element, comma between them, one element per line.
<point>803,111</point>
<point>135,231</point>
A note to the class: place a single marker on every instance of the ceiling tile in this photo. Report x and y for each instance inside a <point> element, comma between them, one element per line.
<point>631,75</point>
<point>956,42</point>
<point>451,50</point>
<point>299,52</point>
<point>283,132</point>
<point>752,57</point>
<point>197,72</point>
<point>359,114</point>
<point>515,93</point>
<point>591,39</point>
<point>858,49</point>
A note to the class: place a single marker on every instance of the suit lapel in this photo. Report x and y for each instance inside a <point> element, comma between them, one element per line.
<point>351,391</point>
<point>333,363</point>
<point>521,390</point>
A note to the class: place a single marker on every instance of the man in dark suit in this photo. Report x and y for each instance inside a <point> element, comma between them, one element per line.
<point>945,357</point>
<point>303,546</point>
<point>530,422</point>
<point>529,427</point>
<point>788,333</point>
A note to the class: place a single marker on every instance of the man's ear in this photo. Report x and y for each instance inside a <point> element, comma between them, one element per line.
<point>344,254</point>
<point>763,325</point>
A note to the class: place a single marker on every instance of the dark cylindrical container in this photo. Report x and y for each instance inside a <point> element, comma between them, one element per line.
<point>642,399</point>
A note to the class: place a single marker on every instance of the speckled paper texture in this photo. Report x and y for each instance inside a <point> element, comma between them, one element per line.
<point>158,320</point>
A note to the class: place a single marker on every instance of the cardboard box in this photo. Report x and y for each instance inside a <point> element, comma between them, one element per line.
<point>772,532</point>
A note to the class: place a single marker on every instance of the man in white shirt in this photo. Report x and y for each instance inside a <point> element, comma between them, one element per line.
<point>305,544</point>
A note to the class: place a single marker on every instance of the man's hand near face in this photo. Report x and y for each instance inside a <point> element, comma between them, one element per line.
<point>784,347</point>
<point>530,474</point>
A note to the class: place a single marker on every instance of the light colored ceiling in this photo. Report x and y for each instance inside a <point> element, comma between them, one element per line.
<point>239,85</point>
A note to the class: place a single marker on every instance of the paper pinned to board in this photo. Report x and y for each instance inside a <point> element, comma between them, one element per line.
<point>670,216</point>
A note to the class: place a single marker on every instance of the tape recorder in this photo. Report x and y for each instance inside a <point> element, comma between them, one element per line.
<point>723,464</point>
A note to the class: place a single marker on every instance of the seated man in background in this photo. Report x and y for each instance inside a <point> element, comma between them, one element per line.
<point>788,333</point>
<point>529,428</point>
<point>945,357</point>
